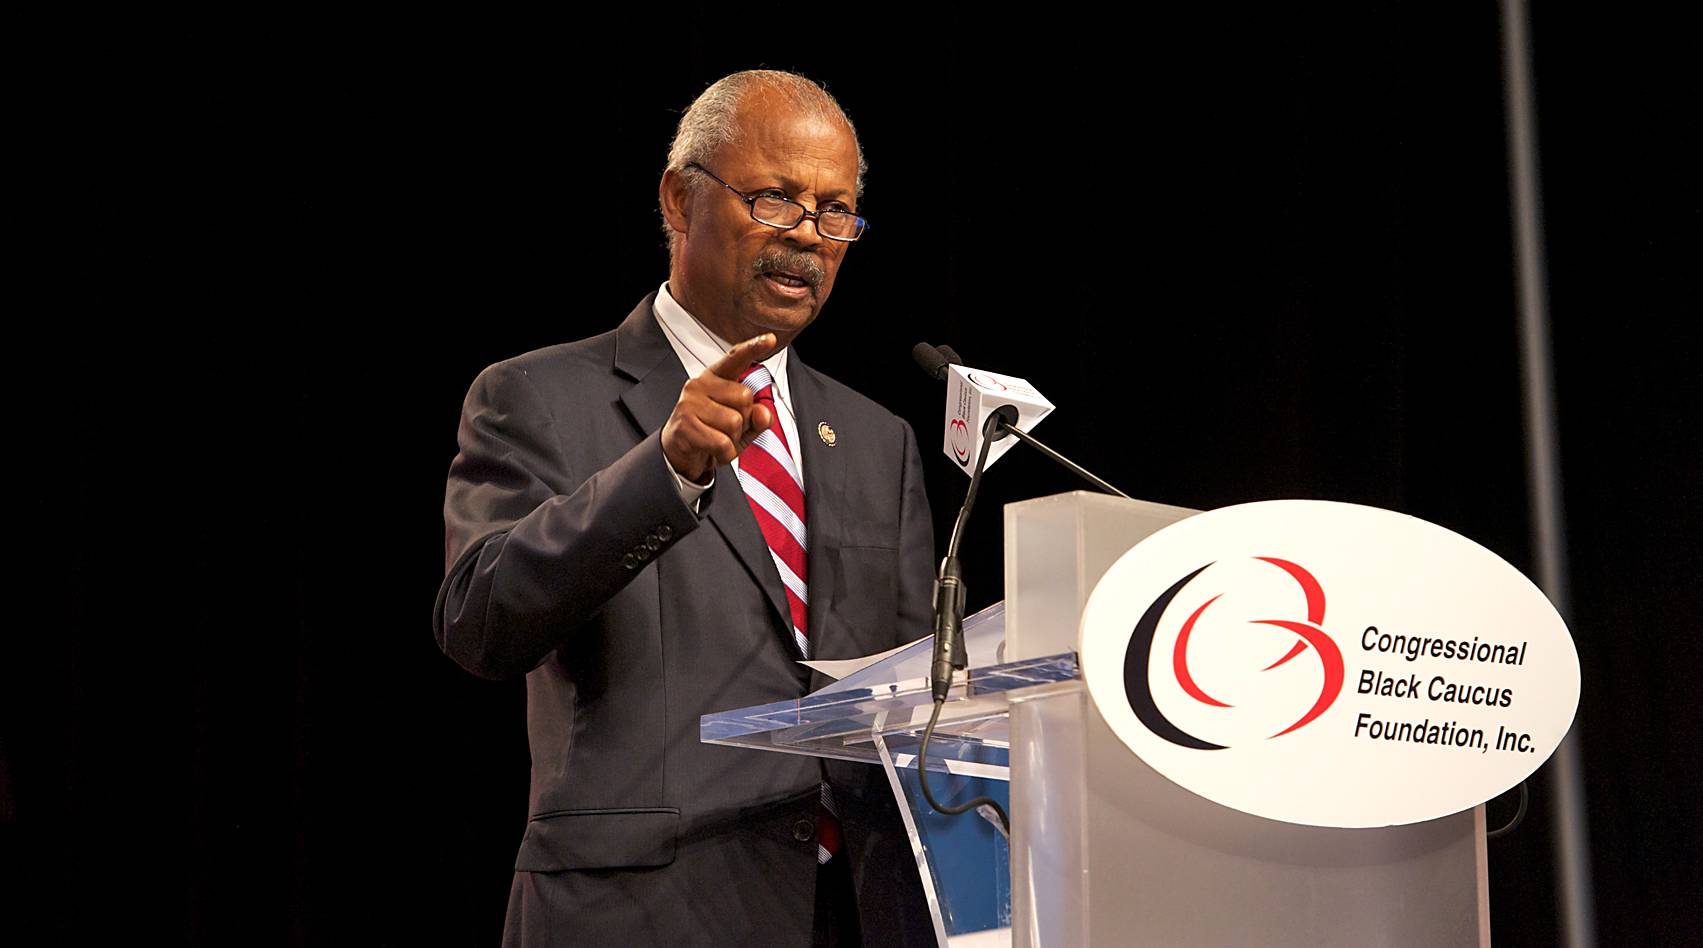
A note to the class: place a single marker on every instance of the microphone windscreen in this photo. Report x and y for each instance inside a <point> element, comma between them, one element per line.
<point>952,356</point>
<point>929,359</point>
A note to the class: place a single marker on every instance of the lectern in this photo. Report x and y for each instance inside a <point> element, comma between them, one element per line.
<point>1103,849</point>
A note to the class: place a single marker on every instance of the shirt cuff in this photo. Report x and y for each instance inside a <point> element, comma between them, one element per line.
<point>690,493</point>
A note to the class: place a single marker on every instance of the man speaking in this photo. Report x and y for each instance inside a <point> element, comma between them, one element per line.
<point>659,522</point>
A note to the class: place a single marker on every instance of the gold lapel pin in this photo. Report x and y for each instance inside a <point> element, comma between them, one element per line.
<point>825,431</point>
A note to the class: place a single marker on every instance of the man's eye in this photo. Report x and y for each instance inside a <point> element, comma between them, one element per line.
<point>777,195</point>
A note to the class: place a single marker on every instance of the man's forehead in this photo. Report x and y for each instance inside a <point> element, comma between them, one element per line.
<point>784,139</point>
<point>763,118</point>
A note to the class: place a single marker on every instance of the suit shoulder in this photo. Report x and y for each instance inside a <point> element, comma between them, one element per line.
<point>596,351</point>
<point>579,362</point>
<point>853,409</point>
<point>849,398</point>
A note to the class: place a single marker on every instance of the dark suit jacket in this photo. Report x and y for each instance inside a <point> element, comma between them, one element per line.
<point>571,559</point>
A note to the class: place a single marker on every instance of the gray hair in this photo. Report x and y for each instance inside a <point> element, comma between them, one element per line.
<point>712,121</point>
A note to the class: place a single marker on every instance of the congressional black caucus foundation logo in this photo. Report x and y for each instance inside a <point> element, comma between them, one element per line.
<point>1299,635</point>
<point>1318,663</point>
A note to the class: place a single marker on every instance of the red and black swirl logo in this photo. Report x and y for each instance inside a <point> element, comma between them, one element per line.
<point>958,433</point>
<point>1308,633</point>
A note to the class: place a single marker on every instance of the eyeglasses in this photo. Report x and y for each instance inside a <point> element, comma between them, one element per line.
<point>768,207</point>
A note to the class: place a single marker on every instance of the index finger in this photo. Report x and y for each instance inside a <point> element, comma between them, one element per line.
<point>741,356</point>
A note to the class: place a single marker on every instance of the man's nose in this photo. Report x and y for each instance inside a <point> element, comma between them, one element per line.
<point>805,232</point>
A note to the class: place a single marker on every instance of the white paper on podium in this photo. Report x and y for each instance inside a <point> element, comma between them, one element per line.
<point>838,668</point>
<point>984,641</point>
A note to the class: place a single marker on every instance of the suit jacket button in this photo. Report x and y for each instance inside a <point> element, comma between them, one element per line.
<point>653,543</point>
<point>641,552</point>
<point>803,830</point>
<point>630,561</point>
<point>665,533</point>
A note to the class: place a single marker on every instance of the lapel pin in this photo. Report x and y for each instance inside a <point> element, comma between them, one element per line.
<point>825,431</point>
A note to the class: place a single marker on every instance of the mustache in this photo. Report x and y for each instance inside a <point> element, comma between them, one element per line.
<point>799,263</point>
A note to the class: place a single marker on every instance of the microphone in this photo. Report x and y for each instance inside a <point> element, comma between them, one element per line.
<point>975,395</point>
<point>1000,407</point>
<point>934,360</point>
<point>949,593</point>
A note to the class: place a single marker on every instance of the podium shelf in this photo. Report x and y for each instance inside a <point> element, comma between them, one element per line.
<point>972,736</point>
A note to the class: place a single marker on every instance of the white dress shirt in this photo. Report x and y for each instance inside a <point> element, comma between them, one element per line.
<point>697,349</point>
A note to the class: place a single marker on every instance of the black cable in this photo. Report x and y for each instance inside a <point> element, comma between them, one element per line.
<point>922,777</point>
<point>1519,815</point>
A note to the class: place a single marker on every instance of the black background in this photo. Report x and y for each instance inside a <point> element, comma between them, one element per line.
<point>1248,258</point>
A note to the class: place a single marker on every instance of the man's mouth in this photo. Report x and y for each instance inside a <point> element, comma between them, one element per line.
<point>794,273</point>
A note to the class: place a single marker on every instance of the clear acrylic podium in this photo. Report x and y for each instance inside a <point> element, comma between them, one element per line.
<point>1104,850</point>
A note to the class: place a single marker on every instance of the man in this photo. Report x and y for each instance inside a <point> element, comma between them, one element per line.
<point>659,522</point>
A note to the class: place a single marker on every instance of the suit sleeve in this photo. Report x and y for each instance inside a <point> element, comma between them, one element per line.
<point>532,548</point>
<point>916,547</point>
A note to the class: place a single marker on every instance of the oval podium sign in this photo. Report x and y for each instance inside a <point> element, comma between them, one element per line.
<point>1328,664</point>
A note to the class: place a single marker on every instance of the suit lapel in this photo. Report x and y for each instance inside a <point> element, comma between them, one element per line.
<point>824,474</point>
<point>642,353</point>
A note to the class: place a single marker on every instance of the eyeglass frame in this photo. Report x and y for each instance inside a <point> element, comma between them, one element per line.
<point>809,215</point>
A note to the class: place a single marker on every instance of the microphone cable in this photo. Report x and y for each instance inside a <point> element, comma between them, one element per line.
<point>949,652</point>
<point>1518,817</point>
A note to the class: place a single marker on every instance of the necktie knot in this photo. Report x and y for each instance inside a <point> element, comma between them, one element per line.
<point>759,381</point>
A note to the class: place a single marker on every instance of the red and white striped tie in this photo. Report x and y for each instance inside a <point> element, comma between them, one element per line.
<point>776,492</point>
<point>770,478</point>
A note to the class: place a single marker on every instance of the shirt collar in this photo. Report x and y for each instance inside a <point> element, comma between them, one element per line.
<point>698,348</point>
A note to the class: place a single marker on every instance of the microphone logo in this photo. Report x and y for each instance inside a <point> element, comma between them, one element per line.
<point>958,434</point>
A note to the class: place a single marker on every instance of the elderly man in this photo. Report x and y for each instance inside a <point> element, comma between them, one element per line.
<point>659,522</point>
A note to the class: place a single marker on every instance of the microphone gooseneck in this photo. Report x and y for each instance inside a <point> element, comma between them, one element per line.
<point>950,654</point>
<point>949,651</point>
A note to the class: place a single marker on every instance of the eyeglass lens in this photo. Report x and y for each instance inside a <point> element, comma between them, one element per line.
<point>780,213</point>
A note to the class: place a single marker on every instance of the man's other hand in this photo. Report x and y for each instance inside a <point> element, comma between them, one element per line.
<point>716,417</point>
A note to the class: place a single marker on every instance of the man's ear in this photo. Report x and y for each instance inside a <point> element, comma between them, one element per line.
<point>675,194</point>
